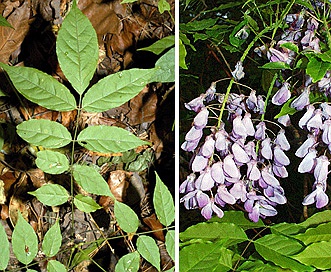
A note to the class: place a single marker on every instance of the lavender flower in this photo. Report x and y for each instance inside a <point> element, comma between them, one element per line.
<point>282,95</point>
<point>238,73</point>
<point>302,100</point>
<point>196,104</point>
<point>199,163</point>
<point>201,119</point>
<point>260,131</point>
<point>318,195</point>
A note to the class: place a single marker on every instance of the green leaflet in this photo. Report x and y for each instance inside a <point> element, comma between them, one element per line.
<point>317,68</point>
<point>170,243</point>
<point>77,49</point>
<point>51,194</point>
<point>165,67</point>
<point>316,219</point>
<point>24,241</point>
<point>52,240</point>
<point>313,235</point>
<point>128,262</point>
<point>55,266</point>
<point>182,55</point>
<point>116,89</point>
<point>163,203</point>
<point>4,22</point>
<point>126,217</point>
<point>86,204</point>
<point>159,46</point>
<point>108,139</point>
<point>91,180</point>
<point>40,88</point>
<point>42,132</point>
<point>52,162</point>
<point>163,6</point>
<point>4,256</point>
<point>317,255</point>
<point>149,250</point>
<point>277,248</point>
<point>276,65</point>
<point>286,228</point>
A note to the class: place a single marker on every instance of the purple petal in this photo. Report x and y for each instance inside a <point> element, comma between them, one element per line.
<point>238,73</point>
<point>326,135</point>
<point>282,95</point>
<point>196,104</point>
<point>279,156</point>
<point>238,190</point>
<point>253,172</point>
<point>255,214</point>
<point>280,171</point>
<point>239,130</point>
<point>304,148</point>
<point>266,150</point>
<point>193,134</point>
<point>250,150</point>
<point>307,116</point>
<point>284,120</point>
<point>203,199</point>
<point>322,199</point>
<point>189,145</point>
<point>217,172</point>
<point>188,184</point>
<point>248,124</point>
<point>199,163</point>
<point>260,131</point>
<point>251,101</point>
<point>308,163</point>
<point>207,181</point>
<point>218,211</point>
<point>239,154</point>
<point>269,178</point>
<point>316,121</point>
<point>207,211</point>
<point>207,148</point>
<point>222,142</point>
<point>225,195</point>
<point>230,168</point>
<point>302,100</point>
<point>282,141</point>
<point>201,120</point>
<point>321,168</point>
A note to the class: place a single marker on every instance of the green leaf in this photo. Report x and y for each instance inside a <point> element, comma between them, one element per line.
<point>126,217</point>
<point>170,243</point>
<point>40,88</point>
<point>165,67</point>
<point>52,162</point>
<point>91,180</point>
<point>182,55</point>
<point>128,1</point>
<point>277,248</point>
<point>108,139</point>
<point>317,218</point>
<point>52,240</point>
<point>276,65</point>
<point>86,204</point>
<point>163,203</point>
<point>4,22</point>
<point>326,56</point>
<point>287,109</point>
<point>234,39</point>
<point>4,256</point>
<point>293,47</point>
<point>46,133</point>
<point>55,266</point>
<point>24,241</point>
<point>77,49</point>
<point>197,25</point>
<point>116,89</point>
<point>259,266</point>
<point>238,218</point>
<point>159,46</point>
<point>317,255</point>
<point>227,232</point>
<point>313,235</point>
<point>205,257</point>
<point>317,68</point>
<point>51,194</point>
<point>141,162</point>
<point>129,262</point>
<point>163,6</point>
<point>149,250</point>
<point>286,228</point>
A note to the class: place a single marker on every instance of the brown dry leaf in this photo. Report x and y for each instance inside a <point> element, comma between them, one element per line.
<point>4,212</point>
<point>154,224</point>
<point>12,38</point>
<point>9,179</point>
<point>156,141</point>
<point>15,205</point>
<point>37,177</point>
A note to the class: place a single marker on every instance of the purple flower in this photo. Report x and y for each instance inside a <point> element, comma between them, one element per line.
<point>304,148</point>
<point>266,150</point>
<point>253,172</point>
<point>224,195</point>
<point>250,150</point>
<point>308,163</point>
<point>321,168</point>
<point>307,116</point>
<point>260,104</point>
<point>207,148</point>
<point>201,120</point>
<point>205,182</point>
<point>239,191</point>
<point>279,156</point>
<point>231,171</point>
<point>326,108</point>
<point>208,206</point>
<point>316,121</point>
<point>196,104</point>
<point>275,55</point>
<point>275,195</point>
<point>210,93</point>
<point>248,124</point>
<point>326,135</point>
<point>238,73</point>
<point>239,154</point>
<point>189,145</point>
<point>302,100</point>
<point>202,198</point>
<point>260,131</point>
<point>282,95</point>
<point>217,172</point>
<point>268,178</point>
<point>199,163</point>
<point>251,101</point>
<point>193,134</point>
<point>222,143</point>
<point>188,184</point>
<point>190,201</point>
<point>318,196</point>
<point>282,141</point>
<point>279,171</point>
<point>284,120</point>
<point>239,130</point>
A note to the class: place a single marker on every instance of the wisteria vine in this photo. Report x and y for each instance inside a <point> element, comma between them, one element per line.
<point>242,158</point>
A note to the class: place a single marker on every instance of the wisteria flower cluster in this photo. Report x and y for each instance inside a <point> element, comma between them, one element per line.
<point>241,165</point>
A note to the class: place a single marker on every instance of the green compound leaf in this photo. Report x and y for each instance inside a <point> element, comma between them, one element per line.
<point>86,204</point>
<point>108,139</point>
<point>116,89</point>
<point>4,256</point>
<point>24,241</point>
<point>313,235</point>
<point>170,243</point>
<point>52,162</point>
<point>317,218</point>
<point>51,194</point>
<point>52,240</point>
<point>163,203</point>
<point>91,180</point>
<point>149,250</point>
<point>277,248</point>
<point>44,133</point>
<point>165,67</point>
<point>317,255</point>
<point>159,46</point>
<point>77,49</point>
<point>41,88</point>
<point>129,262</point>
<point>55,266</point>
<point>205,257</point>
<point>317,68</point>
<point>126,217</point>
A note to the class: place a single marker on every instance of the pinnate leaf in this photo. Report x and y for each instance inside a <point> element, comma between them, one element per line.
<point>52,240</point>
<point>170,243</point>
<point>86,204</point>
<point>126,217</point>
<point>51,194</point>
<point>163,203</point>
<point>149,250</point>
<point>55,266</point>
<point>24,241</point>
<point>116,89</point>
<point>4,256</point>
<point>52,162</point>
<point>40,88</point>
<point>128,262</point>
<point>44,133</point>
<point>108,139</point>
<point>77,49</point>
